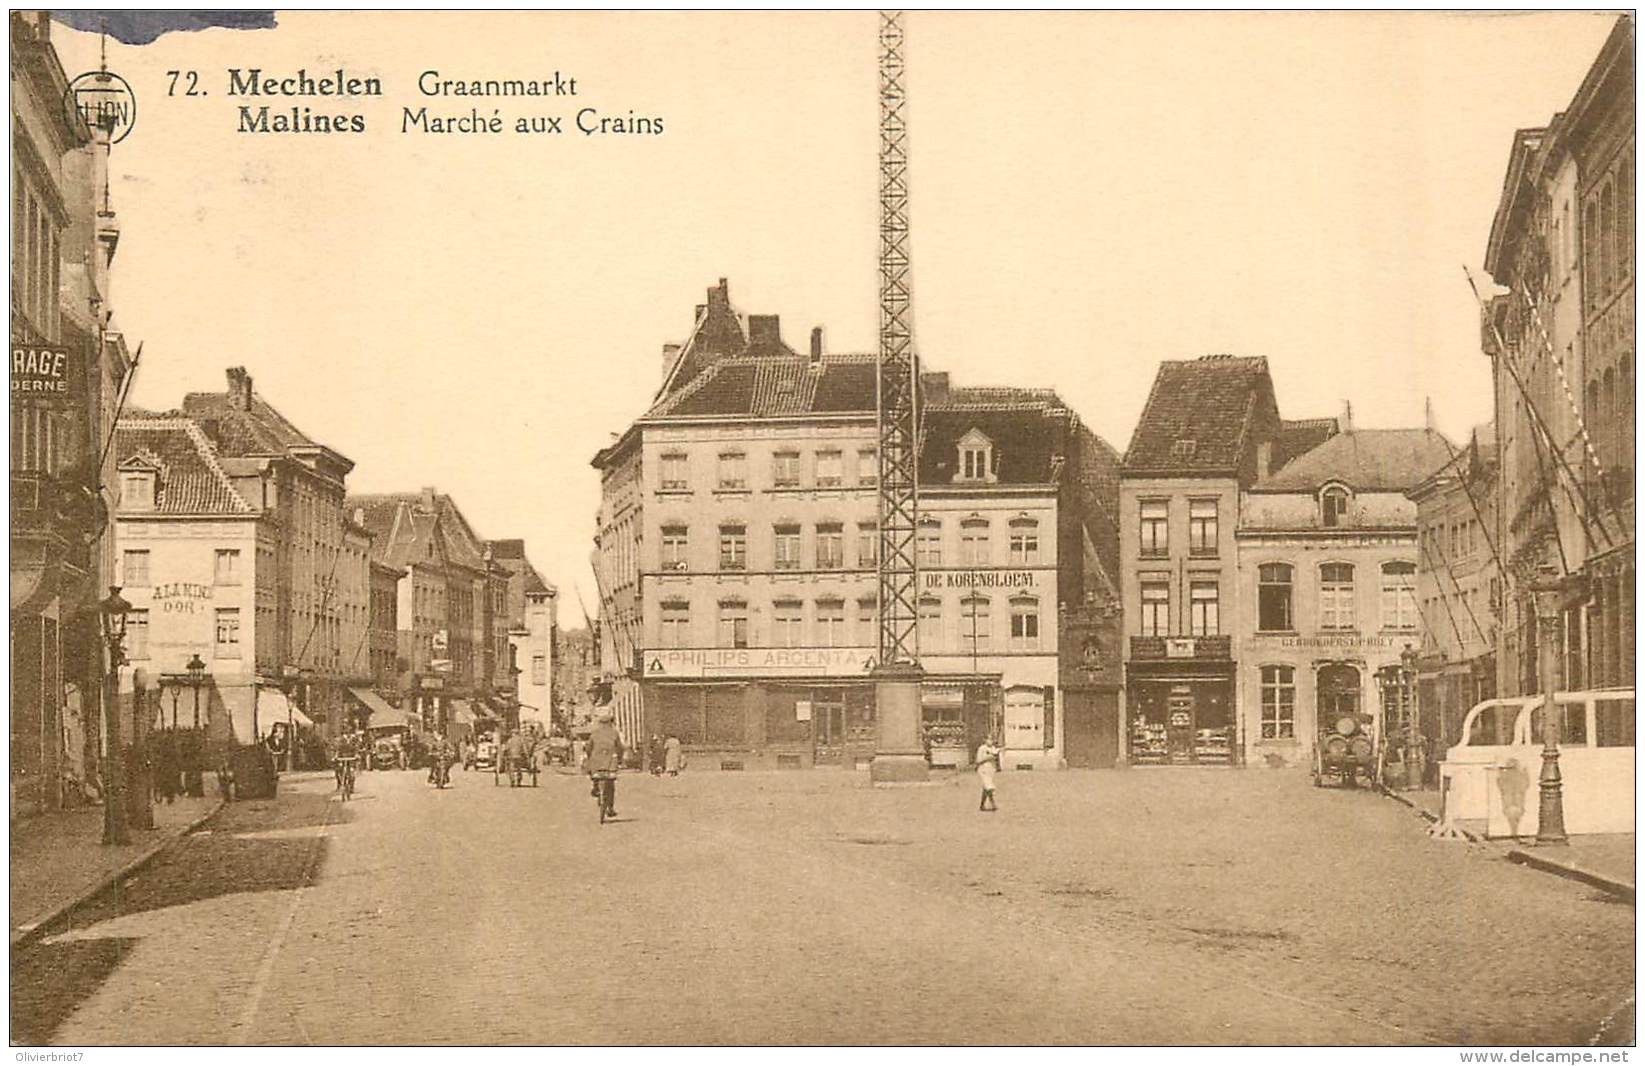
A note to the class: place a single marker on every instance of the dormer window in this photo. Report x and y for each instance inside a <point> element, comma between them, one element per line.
<point>976,458</point>
<point>1333,506</point>
<point>137,490</point>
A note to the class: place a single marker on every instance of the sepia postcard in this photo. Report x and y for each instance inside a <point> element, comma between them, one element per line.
<point>815,528</point>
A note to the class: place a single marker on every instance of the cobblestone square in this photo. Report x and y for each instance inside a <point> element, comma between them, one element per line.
<point>1152,906</point>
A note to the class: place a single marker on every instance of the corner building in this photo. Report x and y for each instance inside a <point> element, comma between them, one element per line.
<point>736,555</point>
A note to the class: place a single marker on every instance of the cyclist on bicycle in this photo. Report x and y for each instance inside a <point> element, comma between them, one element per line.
<point>605,755</point>
<point>344,753</point>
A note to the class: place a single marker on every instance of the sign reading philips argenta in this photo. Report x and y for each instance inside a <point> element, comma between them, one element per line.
<point>46,374</point>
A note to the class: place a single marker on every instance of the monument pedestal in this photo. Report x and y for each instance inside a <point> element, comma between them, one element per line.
<point>899,755</point>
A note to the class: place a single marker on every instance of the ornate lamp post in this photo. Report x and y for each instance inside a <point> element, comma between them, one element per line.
<point>1548,592</point>
<point>111,612</point>
<point>193,771</point>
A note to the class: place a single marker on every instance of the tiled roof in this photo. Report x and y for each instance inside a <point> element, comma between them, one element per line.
<point>1297,436</point>
<point>259,431</point>
<point>775,385</point>
<point>1026,439</point>
<point>404,529</point>
<point>1199,415</point>
<point>1366,460</point>
<point>191,481</point>
<point>508,549</point>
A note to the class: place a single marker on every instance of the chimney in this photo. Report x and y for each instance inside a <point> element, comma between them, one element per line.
<point>764,331</point>
<point>428,497</point>
<point>936,386</point>
<point>1265,458</point>
<point>1345,424</point>
<point>239,388</point>
<point>816,345</point>
<point>719,297</point>
<point>670,353</point>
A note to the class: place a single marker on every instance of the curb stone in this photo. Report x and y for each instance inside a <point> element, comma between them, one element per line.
<point>1621,889</point>
<point>34,928</point>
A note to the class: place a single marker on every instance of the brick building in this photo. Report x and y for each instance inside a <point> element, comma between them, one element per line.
<point>68,363</point>
<point>736,544</point>
<point>1561,342</point>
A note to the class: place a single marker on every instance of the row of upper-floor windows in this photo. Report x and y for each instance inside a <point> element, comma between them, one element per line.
<point>1453,540</point>
<point>36,255</point>
<point>969,625</point>
<point>824,545</point>
<point>1337,600</point>
<point>1333,503</point>
<point>1608,233</point>
<point>788,469</point>
<point>135,571</point>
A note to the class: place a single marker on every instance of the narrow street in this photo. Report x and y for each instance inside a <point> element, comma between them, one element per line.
<point>1150,906</point>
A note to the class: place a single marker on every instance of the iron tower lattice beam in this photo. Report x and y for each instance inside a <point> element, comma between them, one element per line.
<point>897,370</point>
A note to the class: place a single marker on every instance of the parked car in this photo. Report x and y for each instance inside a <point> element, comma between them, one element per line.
<point>1488,781</point>
<point>1345,747</point>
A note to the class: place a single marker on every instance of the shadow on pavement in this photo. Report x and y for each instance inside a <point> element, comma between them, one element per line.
<point>50,980</point>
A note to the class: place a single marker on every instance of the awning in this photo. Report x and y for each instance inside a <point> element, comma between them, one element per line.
<point>383,716</point>
<point>462,712</point>
<point>272,706</point>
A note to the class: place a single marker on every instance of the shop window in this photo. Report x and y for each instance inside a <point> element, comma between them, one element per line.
<point>1336,596</point>
<point>676,624</point>
<point>786,553</point>
<point>1202,527</point>
<point>1154,518</point>
<point>676,548</point>
<point>974,547</point>
<point>134,568</point>
<point>868,545</point>
<point>830,470</point>
<point>1203,620</point>
<point>673,476</point>
<point>785,470</point>
<point>733,548</point>
<point>1279,703</point>
<point>787,624</point>
<point>1399,595</point>
<point>732,631</point>
<point>137,634</point>
<point>227,569</point>
<point>733,471</point>
<point>831,624</point>
<point>228,632</point>
<point>930,625</point>
<point>1025,542</point>
<point>830,546</point>
<point>1025,623</point>
<point>1333,506</point>
<point>928,545</point>
<point>1156,606</point>
<point>868,467</point>
<point>976,624</point>
<point>1274,597</point>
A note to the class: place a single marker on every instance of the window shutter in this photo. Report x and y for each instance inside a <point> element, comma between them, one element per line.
<point>1049,740</point>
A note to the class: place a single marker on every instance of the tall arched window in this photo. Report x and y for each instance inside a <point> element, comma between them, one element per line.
<point>1399,595</point>
<point>1274,598</point>
<point>1336,596</point>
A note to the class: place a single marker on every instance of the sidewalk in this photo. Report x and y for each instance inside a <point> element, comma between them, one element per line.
<point>1607,856</point>
<point>58,859</point>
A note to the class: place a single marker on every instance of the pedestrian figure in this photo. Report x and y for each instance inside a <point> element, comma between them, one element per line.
<point>988,763</point>
<point>1513,782</point>
<point>673,758</point>
<point>166,767</point>
<point>654,755</point>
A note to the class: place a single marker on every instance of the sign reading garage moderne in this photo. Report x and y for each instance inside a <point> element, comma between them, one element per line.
<point>44,374</point>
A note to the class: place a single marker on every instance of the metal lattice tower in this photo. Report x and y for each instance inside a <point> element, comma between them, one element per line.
<point>897,370</point>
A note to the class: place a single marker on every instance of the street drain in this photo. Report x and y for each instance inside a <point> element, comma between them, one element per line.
<point>873,840</point>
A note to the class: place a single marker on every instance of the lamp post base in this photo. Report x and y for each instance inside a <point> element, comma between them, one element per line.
<point>899,756</point>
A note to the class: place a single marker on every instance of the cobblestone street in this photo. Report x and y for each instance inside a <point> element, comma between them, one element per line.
<point>1162,906</point>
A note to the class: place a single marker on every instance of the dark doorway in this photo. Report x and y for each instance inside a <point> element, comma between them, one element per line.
<point>1090,728</point>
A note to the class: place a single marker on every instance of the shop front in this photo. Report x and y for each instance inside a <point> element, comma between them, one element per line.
<point>957,715</point>
<point>765,724</point>
<point>1180,702</point>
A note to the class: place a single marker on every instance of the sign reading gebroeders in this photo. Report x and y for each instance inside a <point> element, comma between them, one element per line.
<point>44,374</point>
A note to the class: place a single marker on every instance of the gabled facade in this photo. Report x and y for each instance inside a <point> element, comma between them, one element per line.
<point>531,610</point>
<point>736,554</point>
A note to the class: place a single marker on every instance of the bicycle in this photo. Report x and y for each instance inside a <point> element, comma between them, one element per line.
<point>605,793</point>
<point>345,776</point>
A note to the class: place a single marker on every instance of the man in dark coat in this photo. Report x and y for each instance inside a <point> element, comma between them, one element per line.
<point>605,757</point>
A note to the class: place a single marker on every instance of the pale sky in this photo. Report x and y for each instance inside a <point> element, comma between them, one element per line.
<point>1091,194</point>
